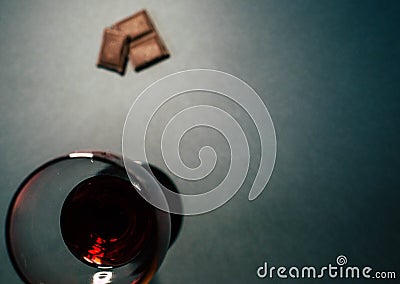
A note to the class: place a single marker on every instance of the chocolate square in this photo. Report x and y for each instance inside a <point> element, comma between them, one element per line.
<point>136,25</point>
<point>113,51</point>
<point>147,51</point>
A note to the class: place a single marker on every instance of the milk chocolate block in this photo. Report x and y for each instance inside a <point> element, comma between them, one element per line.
<point>136,25</point>
<point>147,51</point>
<point>113,51</point>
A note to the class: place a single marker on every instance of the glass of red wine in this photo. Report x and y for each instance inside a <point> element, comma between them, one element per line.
<point>80,219</point>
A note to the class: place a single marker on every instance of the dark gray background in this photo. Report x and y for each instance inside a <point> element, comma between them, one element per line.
<point>328,72</point>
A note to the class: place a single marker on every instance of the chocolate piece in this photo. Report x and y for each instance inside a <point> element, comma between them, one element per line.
<point>136,25</point>
<point>147,51</point>
<point>114,50</point>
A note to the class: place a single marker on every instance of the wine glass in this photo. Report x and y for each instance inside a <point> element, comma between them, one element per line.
<point>79,219</point>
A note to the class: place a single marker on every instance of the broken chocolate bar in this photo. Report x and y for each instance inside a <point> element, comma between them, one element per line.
<point>113,51</point>
<point>136,25</point>
<point>135,35</point>
<point>147,51</point>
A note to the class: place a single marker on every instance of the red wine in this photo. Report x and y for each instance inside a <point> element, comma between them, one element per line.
<point>105,222</point>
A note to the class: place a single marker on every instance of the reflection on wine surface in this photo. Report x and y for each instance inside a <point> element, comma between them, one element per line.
<point>79,219</point>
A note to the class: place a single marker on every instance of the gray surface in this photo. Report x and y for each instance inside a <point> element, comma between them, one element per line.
<point>328,72</point>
